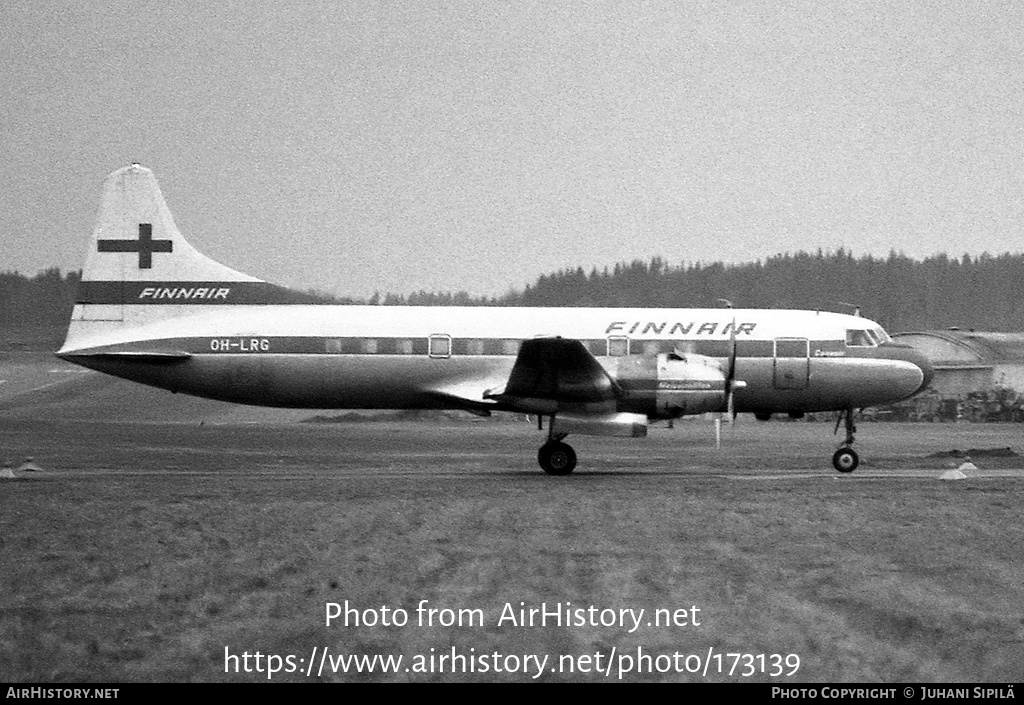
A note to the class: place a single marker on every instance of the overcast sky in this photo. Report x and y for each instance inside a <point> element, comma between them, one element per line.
<point>447,146</point>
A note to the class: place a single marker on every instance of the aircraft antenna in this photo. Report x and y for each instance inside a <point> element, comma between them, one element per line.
<point>855,307</point>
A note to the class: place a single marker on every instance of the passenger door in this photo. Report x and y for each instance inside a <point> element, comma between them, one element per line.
<point>792,363</point>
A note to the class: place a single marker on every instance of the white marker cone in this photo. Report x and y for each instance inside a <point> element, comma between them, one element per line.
<point>28,466</point>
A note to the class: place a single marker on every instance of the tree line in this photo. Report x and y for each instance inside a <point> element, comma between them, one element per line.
<point>985,292</point>
<point>43,300</point>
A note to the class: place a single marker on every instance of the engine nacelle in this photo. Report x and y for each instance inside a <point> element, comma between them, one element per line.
<point>623,425</point>
<point>671,385</point>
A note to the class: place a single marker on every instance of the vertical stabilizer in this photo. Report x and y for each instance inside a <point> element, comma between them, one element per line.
<point>141,270</point>
<point>135,238</point>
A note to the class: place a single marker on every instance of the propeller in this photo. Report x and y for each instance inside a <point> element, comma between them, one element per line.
<point>731,384</point>
<point>730,373</point>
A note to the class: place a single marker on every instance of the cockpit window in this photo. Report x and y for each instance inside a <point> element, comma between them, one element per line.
<point>859,338</point>
<point>882,336</point>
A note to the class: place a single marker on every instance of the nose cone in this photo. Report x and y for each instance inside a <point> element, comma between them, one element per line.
<point>902,351</point>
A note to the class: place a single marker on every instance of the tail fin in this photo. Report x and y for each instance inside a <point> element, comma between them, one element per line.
<point>138,259</point>
<point>135,238</point>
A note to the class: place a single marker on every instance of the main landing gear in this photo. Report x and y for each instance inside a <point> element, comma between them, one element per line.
<point>846,459</point>
<point>555,457</point>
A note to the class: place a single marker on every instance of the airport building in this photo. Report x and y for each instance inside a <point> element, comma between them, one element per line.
<point>970,361</point>
<point>983,372</point>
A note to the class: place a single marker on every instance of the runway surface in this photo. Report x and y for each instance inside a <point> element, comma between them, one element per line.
<point>469,448</point>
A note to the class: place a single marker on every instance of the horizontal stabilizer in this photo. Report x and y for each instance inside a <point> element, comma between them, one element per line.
<point>129,355</point>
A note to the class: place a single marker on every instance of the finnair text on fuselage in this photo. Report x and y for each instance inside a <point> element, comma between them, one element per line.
<point>677,328</point>
<point>180,292</point>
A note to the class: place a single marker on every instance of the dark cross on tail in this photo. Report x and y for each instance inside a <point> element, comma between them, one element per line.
<point>145,245</point>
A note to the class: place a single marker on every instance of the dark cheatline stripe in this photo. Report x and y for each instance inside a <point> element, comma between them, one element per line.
<point>336,345</point>
<point>205,293</point>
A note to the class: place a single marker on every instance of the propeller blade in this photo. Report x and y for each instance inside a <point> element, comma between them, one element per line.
<point>730,400</point>
<point>730,374</point>
<point>730,380</point>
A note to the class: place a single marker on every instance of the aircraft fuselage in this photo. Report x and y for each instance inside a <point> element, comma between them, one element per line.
<point>372,357</point>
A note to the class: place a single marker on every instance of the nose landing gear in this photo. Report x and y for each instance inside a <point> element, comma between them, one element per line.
<point>846,459</point>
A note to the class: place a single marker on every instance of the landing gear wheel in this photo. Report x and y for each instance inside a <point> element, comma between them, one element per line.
<point>845,460</point>
<point>557,458</point>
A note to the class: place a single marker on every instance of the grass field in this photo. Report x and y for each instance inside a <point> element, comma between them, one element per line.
<point>146,547</point>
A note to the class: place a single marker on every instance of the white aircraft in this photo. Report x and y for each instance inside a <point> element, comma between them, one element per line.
<point>154,310</point>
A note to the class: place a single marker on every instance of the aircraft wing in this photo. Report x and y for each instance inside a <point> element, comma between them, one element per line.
<point>553,371</point>
<point>468,394</point>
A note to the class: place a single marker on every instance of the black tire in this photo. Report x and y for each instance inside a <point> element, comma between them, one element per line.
<point>557,458</point>
<point>845,460</point>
